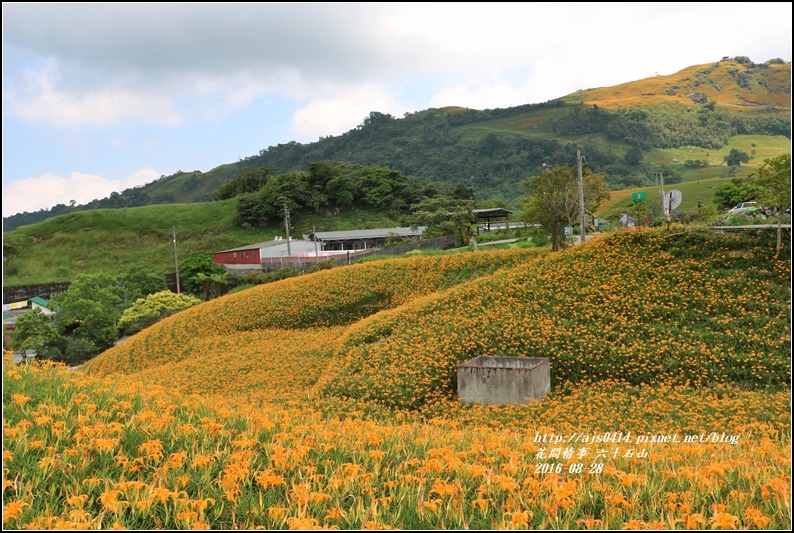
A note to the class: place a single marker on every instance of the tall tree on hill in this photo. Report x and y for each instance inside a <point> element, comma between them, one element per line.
<point>774,179</point>
<point>139,281</point>
<point>259,208</point>
<point>382,187</point>
<point>329,183</point>
<point>554,198</point>
<point>736,191</point>
<point>735,158</point>
<point>196,264</point>
<point>444,216</point>
<point>250,181</point>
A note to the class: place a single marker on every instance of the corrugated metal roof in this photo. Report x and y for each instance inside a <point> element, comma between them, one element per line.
<point>492,210</point>
<point>256,246</point>
<point>380,233</point>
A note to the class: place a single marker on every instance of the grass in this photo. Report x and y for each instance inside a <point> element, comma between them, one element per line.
<point>759,147</point>
<point>691,192</point>
<point>109,240</point>
<point>653,90</point>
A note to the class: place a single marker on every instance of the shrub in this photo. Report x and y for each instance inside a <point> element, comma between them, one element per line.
<point>77,351</point>
<point>155,307</point>
<point>738,219</point>
<point>696,163</point>
<point>539,237</point>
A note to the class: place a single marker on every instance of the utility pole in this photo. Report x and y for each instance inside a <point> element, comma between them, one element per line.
<point>661,188</point>
<point>286,225</point>
<point>176,264</point>
<point>582,219</point>
<point>665,205</point>
<point>314,238</point>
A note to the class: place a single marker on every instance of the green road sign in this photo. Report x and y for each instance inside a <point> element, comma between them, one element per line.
<point>638,196</point>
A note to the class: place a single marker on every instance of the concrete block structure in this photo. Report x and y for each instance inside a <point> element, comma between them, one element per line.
<point>503,380</point>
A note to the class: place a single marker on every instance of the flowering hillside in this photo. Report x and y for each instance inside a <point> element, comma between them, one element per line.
<point>329,298</point>
<point>327,401</point>
<point>691,309</point>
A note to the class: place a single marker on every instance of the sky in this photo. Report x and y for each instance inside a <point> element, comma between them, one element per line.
<point>102,97</point>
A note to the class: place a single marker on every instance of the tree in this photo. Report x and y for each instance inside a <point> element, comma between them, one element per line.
<point>89,309</point>
<point>554,198</point>
<point>328,183</point>
<point>151,309</point>
<point>444,216</point>
<point>382,187</point>
<point>251,180</point>
<point>257,209</point>
<point>198,264</point>
<point>251,211</point>
<point>211,283</point>
<point>548,203</point>
<point>341,191</point>
<point>735,158</point>
<point>633,156</point>
<point>288,189</point>
<point>463,192</point>
<point>734,192</point>
<point>140,281</point>
<point>774,181</point>
<point>34,331</point>
<point>596,189</point>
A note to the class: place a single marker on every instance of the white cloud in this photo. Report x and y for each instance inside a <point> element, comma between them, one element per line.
<point>483,96</point>
<point>143,81</point>
<point>120,62</point>
<point>45,191</point>
<point>41,98</point>
<point>344,110</point>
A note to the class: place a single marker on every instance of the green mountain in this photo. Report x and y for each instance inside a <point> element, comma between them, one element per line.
<point>628,132</point>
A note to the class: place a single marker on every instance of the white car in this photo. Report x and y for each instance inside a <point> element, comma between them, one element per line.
<point>744,207</point>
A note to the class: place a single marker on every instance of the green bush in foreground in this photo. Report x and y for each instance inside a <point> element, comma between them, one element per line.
<point>155,307</point>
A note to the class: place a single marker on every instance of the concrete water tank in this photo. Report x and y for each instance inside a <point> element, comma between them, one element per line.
<point>503,380</point>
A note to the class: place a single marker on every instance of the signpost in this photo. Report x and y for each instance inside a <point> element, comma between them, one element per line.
<point>638,197</point>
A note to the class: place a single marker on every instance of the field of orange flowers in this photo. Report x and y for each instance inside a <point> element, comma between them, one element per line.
<point>327,401</point>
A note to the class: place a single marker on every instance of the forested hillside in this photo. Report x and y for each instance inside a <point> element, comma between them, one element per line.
<point>621,129</point>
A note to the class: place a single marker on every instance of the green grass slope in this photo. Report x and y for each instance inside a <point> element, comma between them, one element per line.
<point>110,240</point>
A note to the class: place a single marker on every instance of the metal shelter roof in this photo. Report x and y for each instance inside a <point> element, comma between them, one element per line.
<point>362,234</point>
<point>257,246</point>
<point>488,214</point>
